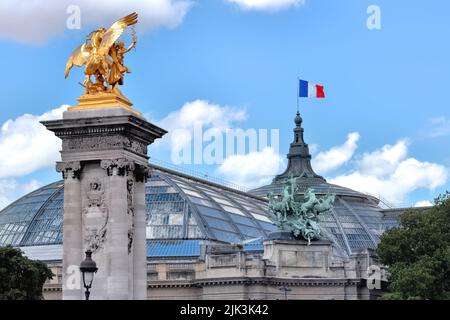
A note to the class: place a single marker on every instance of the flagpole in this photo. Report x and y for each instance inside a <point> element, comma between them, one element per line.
<point>298,94</point>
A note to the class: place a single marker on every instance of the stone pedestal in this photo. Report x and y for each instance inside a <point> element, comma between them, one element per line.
<point>105,167</point>
<point>287,258</point>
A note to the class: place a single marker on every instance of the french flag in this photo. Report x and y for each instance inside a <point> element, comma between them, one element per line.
<point>310,90</point>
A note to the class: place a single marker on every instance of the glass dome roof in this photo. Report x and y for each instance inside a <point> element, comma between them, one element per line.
<point>35,218</point>
<point>183,207</point>
<point>177,207</point>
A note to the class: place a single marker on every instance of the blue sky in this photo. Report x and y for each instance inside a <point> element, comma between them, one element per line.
<point>387,86</point>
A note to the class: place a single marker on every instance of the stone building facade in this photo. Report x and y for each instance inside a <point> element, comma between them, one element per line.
<point>209,240</point>
<point>277,269</point>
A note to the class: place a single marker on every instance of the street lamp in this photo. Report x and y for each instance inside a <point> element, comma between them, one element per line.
<point>88,267</point>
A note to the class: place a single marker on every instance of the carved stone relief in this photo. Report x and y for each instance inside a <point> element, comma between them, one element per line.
<point>130,207</point>
<point>130,239</point>
<point>95,210</point>
<point>130,212</point>
<point>135,146</point>
<point>104,142</point>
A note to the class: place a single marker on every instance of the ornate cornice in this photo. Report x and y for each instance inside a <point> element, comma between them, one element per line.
<point>89,131</point>
<point>129,125</point>
<point>307,282</point>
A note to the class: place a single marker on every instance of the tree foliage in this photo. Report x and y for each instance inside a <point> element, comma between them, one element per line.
<point>418,253</point>
<point>20,277</point>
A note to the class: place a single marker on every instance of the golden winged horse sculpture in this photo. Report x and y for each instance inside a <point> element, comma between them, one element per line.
<point>103,57</point>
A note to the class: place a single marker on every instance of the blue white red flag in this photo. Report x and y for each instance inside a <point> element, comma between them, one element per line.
<point>310,90</point>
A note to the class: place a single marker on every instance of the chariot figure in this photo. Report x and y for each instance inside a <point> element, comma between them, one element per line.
<point>301,218</point>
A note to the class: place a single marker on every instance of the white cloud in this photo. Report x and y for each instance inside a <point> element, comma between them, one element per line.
<point>327,161</point>
<point>389,173</point>
<point>200,113</point>
<point>11,190</point>
<point>26,145</point>
<point>423,203</point>
<point>253,169</point>
<point>38,20</point>
<point>441,127</point>
<point>267,5</point>
<point>385,160</point>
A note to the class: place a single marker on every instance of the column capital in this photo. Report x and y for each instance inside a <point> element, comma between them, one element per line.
<point>70,169</point>
<point>120,167</point>
<point>141,172</point>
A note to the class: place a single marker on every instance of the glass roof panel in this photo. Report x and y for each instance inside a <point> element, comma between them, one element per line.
<point>153,182</point>
<point>211,212</point>
<point>46,227</point>
<point>249,232</point>
<point>160,189</point>
<point>192,193</point>
<point>261,217</point>
<point>226,236</point>
<point>219,224</point>
<point>243,220</point>
<point>202,202</point>
<point>221,201</point>
<point>233,210</point>
<point>269,226</point>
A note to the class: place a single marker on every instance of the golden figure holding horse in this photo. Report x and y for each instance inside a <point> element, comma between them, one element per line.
<point>103,57</point>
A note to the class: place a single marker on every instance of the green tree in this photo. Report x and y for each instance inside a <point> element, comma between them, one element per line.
<point>20,277</point>
<point>418,253</point>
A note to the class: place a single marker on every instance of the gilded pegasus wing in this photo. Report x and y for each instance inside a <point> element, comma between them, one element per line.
<point>115,31</point>
<point>79,57</point>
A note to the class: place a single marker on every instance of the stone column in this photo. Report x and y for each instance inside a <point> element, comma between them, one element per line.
<point>120,175</point>
<point>139,242</point>
<point>71,281</point>
<point>105,166</point>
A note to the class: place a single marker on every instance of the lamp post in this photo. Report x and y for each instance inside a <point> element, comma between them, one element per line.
<point>88,267</point>
<point>286,289</point>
